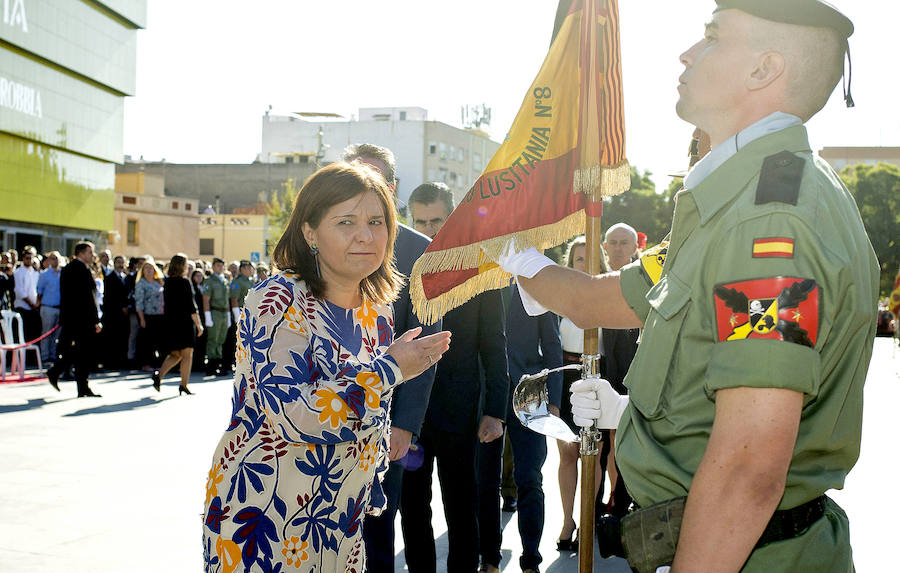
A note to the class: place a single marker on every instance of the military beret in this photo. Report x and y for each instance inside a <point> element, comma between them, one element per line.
<point>814,13</point>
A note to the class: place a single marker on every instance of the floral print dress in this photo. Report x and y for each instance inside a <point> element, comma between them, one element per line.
<point>303,455</point>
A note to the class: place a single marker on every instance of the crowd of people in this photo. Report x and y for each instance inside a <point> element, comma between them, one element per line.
<point>129,297</point>
<point>745,401</point>
<point>318,353</point>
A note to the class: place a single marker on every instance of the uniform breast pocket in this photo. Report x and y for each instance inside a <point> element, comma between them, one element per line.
<point>656,360</point>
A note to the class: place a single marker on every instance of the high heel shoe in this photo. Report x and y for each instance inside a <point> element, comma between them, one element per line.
<point>184,390</point>
<point>156,380</point>
<point>570,544</point>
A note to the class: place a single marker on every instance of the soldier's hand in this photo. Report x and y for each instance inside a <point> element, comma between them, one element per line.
<point>207,315</point>
<point>97,328</point>
<point>415,355</point>
<point>595,400</point>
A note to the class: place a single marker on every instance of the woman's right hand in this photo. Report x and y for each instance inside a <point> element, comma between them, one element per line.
<point>142,323</point>
<point>415,355</point>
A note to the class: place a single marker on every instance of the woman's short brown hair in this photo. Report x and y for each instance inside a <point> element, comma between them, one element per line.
<point>325,188</point>
<point>177,265</point>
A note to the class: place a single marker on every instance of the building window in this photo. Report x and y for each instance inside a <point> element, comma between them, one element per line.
<point>129,200</point>
<point>132,232</point>
<point>402,116</point>
<point>442,148</point>
<point>460,154</point>
<point>207,246</point>
<point>443,174</point>
<point>476,161</point>
<point>175,205</point>
<point>432,148</point>
<point>453,177</point>
<point>188,207</point>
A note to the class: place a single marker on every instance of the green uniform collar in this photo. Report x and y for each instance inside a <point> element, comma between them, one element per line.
<point>724,184</point>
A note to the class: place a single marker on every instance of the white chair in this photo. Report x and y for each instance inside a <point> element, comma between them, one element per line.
<point>14,335</point>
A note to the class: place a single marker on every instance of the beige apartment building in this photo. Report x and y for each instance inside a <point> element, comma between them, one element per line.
<point>235,237</point>
<point>840,157</point>
<point>147,221</point>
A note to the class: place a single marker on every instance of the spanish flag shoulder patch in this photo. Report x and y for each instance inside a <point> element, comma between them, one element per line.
<point>768,247</point>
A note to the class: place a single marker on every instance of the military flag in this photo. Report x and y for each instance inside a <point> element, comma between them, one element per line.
<point>894,303</point>
<point>565,150</point>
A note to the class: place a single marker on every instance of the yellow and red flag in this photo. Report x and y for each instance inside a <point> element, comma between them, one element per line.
<point>565,147</point>
<point>894,303</point>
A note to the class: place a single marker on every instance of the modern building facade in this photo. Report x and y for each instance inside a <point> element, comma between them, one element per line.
<point>65,69</point>
<point>425,150</point>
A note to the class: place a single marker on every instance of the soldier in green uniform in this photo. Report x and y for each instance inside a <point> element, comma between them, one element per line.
<point>215,311</point>
<point>239,288</point>
<point>746,391</point>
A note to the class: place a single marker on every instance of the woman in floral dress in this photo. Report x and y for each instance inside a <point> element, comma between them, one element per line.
<point>301,459</point>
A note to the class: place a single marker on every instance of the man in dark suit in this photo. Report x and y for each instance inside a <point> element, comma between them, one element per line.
<point>410,399</point>
<point>468,404</point>
<point>78,319</point>
<point>115,315</point>
<point>533,344</point>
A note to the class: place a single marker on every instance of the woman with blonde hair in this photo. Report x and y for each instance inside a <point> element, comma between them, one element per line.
<point>302,458</point>
<point>148,302</point>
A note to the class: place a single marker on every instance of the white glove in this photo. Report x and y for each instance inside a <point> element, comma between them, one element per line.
<point>236,313</point>
<point>595,400</point>
<point>207,315</point>
<point>525,264</point>
<point>229,319</point>
<point>663,569</point>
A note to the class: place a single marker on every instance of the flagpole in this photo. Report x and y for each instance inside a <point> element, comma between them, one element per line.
<point>591,361</point>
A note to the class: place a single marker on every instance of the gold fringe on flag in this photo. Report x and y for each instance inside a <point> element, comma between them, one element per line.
<point>480,256</point>
<point>609,180</point>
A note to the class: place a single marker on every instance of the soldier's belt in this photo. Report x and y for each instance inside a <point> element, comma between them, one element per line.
<point>650,534</point>
<point>219,308</point>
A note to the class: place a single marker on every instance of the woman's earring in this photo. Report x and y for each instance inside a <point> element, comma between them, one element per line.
<point>314,249</point>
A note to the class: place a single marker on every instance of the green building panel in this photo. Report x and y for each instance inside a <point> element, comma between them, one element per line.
<point>48,186</point>
<point>40,103</point>
<point>134,11</point>
<point>79,36</point>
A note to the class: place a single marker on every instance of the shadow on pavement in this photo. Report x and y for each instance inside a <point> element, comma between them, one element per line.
<point>122,407</point>
<point>30,405</point>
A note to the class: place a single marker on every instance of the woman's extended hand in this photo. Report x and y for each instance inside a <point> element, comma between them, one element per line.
<point>415,355</point>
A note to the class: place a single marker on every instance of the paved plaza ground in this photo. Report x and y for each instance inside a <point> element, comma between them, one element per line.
<point>117,483</point>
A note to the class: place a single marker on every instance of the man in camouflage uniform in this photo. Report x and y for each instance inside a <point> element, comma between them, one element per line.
<point>746,390</point>
<point>215,312</point>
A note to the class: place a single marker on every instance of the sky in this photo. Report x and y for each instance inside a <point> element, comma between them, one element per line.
<point>207,71</point>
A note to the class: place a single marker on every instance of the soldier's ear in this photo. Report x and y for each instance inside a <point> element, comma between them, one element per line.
<point>769,68</point>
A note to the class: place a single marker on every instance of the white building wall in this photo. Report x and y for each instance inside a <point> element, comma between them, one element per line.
<point>410,140</point>
<point>404,138</point>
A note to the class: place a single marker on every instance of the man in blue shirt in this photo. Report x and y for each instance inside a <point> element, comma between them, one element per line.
<point>48,301</point>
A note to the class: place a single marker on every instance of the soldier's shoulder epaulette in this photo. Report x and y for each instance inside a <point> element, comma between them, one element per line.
<point>780,178</point>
